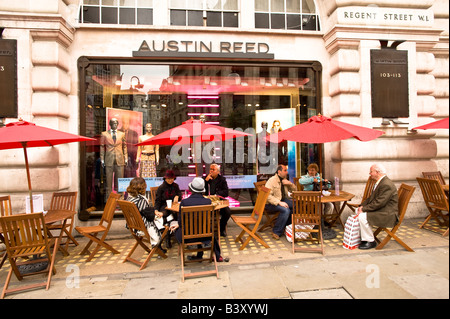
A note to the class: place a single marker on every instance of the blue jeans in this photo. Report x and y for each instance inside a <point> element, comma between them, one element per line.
<point>284,218</point>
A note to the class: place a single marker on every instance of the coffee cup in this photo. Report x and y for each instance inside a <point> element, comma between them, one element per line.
<point>169,203</point>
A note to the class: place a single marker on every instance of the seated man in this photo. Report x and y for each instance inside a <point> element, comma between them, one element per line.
<point>197,187</point>
<point>216,184</point>
<point>380,209</point>
<point>278,200</point>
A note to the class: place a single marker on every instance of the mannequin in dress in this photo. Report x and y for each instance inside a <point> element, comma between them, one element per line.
<point>147,155</point>
<point>113,154</point>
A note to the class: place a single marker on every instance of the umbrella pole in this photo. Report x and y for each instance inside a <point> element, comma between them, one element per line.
<point>24,145</point>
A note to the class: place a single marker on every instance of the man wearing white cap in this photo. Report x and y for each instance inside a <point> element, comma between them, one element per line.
<point>197,187</point>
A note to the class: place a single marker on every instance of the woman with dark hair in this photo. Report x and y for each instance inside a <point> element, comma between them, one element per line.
<point>167,190</point>
<point>153,219</point>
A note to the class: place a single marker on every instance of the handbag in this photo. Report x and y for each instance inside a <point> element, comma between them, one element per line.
<point>325,186</point>
<point>352,235</point>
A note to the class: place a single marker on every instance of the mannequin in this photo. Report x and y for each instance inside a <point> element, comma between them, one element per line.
<point>263,149</point>
<point>113,154</point>
<point>148,155</point>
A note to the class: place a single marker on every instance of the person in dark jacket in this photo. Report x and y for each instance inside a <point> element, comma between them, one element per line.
<point>167,190</point>
<point>216,184</point>
<point>197,187</point>
<point>380,209</point>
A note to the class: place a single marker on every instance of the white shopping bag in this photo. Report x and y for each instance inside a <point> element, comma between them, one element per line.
<point>352,235</point>
<point>298,235</point>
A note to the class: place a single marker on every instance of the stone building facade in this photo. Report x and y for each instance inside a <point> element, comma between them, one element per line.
<point>53,41</point>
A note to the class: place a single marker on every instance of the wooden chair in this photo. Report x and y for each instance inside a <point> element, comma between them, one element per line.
<point>139,232</point>
<point>66,201</point>
<point>434,175</point>
<point>5,206</point>
<point>103,227</point>
<point>436,202</point>
<point>367,192</point>
<point>153,194</point>
<point>26,236</point>
<point>270,216</point>
<point>197,226</point>
<point>5,210</point>
<point>299,186</point>
<point>404,195</point>
<point>245,222</point>
<point>307,213</point>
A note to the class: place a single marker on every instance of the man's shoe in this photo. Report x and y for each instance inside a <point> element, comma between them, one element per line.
<point>275,236</point>
<point>199,258</point>
<point>368,245</point>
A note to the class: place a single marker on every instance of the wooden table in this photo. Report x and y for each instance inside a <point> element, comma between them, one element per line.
<point>59,215</point>
<point>343,198</point>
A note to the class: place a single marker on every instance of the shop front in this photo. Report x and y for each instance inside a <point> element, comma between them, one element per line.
<point>239,86</point>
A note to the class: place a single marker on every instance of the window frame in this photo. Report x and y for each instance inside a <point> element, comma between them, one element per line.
<point>270,15</point>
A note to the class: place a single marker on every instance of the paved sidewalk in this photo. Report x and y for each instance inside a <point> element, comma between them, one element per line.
<point>259,273</point>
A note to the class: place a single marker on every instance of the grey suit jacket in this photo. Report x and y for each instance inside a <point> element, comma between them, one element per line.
<point>382,205</point>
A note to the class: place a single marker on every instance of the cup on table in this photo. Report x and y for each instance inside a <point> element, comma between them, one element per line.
<point>169,203</point>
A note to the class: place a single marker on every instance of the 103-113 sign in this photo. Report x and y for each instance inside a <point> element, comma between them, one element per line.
<point>8,78</point>
<point>389,80</point>
<point>390,75</point>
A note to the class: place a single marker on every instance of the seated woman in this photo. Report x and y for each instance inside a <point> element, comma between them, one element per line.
<point>312,177</point>
<point>152,218</point>
<point>308,181</point>
<point>167,190</point>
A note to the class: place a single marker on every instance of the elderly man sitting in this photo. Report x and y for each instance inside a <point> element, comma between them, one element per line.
<point>380,209</point>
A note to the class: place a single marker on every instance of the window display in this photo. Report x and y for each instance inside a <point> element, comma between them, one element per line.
<point>134,102</point>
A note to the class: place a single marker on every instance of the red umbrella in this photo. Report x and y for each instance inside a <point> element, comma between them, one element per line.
<point>322,129</point>
<point>433,125</point>
<point>193,131</point>
<point>24,134</point>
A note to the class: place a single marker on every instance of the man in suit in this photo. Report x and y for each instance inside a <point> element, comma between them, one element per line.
<point>380,209</point>
<point>216,184</point>
<point>113,154</point>
<point>197,187</point>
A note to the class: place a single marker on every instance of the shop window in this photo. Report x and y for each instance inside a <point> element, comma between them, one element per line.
<point>286,14</point>
<point>237,96</point>
<point>116,11</point>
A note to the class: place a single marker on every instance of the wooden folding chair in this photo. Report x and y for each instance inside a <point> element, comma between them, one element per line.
<point>307,213</point>
<point>299,186</point>
<point>436,202</point>
<point>197,226</point>
<point>66,201</point>
<point>271,217</point>
<point>103,227</point>
<point>254,219</point>
<point>153,194</point>
<point>5,210</point>
<point>25,235</point>
<point>434,175</point>
<point>139,232</point>
<point>404,195</point>
<point>367,192</point>
<point>5,206</point>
